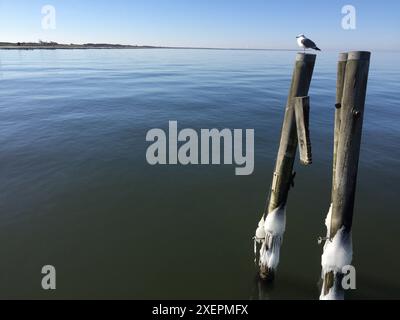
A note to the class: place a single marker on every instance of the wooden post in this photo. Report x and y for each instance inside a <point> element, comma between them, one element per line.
<point>348,150</point>
<point>302,111</point>
<point>342,61</point>
<point>283,174</point>
<point>347,154</point>
<point>329,280</point>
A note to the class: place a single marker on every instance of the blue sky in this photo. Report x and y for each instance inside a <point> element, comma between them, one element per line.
<point>205,23</point>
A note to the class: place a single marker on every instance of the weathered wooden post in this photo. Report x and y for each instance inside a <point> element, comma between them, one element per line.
<point>302,111</point>
<point>272,225</point>
<point>341,71</point>
<point>349,121</point>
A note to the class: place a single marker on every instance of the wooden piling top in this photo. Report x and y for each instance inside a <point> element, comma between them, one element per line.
<point>307,57</point>
<point>359,55</point>
<point>343,56</point>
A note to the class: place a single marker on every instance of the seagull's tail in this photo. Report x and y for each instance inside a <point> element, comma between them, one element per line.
<point>318,49</point>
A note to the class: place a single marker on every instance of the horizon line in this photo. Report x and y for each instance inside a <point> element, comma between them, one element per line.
<point>92,45</point>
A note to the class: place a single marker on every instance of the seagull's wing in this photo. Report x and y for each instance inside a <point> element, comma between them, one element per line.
<point>308,43</point>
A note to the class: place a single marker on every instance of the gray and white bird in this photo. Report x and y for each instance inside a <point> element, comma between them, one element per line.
<point>306,43</point>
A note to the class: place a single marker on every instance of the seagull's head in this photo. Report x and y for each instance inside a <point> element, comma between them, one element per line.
<point>300,36</point>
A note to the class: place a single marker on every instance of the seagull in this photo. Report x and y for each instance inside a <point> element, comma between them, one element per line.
<point>306,43</point>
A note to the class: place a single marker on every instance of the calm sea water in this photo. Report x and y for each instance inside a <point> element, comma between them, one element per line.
<point>76,190</point>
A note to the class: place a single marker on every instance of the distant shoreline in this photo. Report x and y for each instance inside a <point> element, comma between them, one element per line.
<point>91,46</point>
<point>56,46</point>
